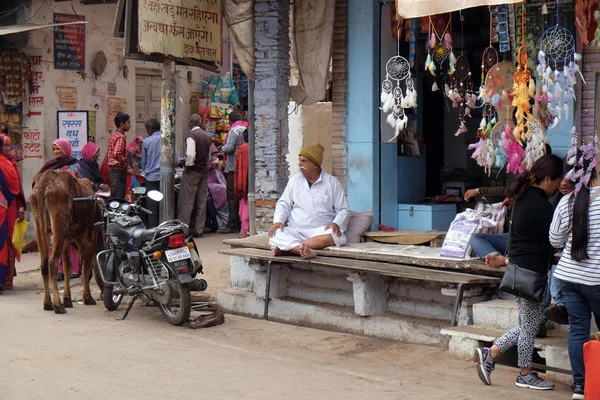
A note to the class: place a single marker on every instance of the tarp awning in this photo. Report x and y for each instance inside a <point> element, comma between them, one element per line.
<point>423,8</point>
<point>10,29</point>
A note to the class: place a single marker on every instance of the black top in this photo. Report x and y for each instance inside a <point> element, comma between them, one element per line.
<point>529,244</point>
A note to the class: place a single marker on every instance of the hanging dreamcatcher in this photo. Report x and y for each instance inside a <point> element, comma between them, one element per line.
<point>489,59</point>
<point>583,159</point>
<point>393,100</point>
<point>460,92</point>
<point>536,143</point>
<point>439,46</point>
<point>557,50</point>
<point>523,87</point>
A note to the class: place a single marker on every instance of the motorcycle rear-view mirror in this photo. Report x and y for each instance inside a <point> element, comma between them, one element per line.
<point>155,195</point>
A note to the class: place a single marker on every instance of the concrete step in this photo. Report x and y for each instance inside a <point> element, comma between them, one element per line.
<point>464,340</point>
<point>496,314</point>
<point>336,318</point>
<point>504,315</point>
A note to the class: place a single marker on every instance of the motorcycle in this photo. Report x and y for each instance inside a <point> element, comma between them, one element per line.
<point>159,263</point>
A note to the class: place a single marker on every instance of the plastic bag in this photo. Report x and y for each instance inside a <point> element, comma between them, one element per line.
<point>18,237</point>
<point>457,243</point>
<point>496,213</point>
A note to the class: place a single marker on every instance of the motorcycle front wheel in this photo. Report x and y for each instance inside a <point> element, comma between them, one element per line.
<point>111,301</point>
<point>177,311</point>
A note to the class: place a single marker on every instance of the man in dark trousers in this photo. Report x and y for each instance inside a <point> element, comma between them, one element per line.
<point>117,157</point>
<point>193,192</point>
<point>151,163</point>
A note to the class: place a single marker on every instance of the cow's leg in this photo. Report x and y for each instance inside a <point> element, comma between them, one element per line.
<point>67,268</point>
<point>41,233</point>
<point>57,248</point>
<point>86,257</point>
<point>45,273</point>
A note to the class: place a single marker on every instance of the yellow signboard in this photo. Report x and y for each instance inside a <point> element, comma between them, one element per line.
<point>181,28</point>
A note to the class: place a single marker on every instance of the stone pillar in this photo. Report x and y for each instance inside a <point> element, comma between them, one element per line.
<point>271,98</point>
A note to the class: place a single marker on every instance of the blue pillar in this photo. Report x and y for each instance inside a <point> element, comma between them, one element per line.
<point>362,112</point>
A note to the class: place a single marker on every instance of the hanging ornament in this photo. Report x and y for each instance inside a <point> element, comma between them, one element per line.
<point>460,92</point>
<point>557,69</point>
<point>583,159</point>
<point>514,151</point>
<point>523,88</point>
<point>439,46</point>
<point>393,100</point>
<point>536,143</point>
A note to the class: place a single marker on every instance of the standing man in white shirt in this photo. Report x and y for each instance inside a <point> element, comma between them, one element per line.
<point>193,192</point>
<point>314,206</point>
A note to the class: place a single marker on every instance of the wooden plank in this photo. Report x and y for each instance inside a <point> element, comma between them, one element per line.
<point>399,271</point>
<point>474,266</point>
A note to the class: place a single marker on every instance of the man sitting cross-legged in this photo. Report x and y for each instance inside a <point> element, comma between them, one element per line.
<point>315,209</point>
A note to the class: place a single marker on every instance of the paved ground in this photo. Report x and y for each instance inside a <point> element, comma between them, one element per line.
<point>88,354</point>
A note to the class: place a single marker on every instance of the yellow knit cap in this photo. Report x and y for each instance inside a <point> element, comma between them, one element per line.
<point>314,153</point>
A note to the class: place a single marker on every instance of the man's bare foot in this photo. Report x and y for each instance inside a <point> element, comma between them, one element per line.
<point>307,253</point>
<point>495,261</point>
<point>277,252</point>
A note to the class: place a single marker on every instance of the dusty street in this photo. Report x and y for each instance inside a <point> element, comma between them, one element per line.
<point>88,354</point>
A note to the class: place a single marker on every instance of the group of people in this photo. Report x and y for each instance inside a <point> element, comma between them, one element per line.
<point>202,173</point>
<point>548,215</point>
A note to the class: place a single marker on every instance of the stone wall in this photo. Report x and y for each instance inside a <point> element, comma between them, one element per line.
<point>589,114</point>
<point>339,90</point>
<point>272,54</point>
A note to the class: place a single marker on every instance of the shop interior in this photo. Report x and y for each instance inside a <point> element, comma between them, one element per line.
<point>435,166</point>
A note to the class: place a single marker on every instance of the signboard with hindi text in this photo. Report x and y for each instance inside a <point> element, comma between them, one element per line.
<point>69,43</point>
<point>187,29</point>
<point>74,126</point>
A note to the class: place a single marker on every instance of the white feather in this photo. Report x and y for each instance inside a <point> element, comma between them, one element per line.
<point>391,120</point>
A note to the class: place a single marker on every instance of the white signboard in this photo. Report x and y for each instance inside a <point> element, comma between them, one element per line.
<point>73,126</point>
<point>182,28</point>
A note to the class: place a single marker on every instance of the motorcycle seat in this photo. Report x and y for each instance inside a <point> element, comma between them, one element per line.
<point>141,236</point>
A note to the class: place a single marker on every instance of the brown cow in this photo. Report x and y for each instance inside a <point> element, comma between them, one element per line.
<point>71,225</point>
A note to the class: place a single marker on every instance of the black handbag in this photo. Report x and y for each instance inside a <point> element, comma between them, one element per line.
<point>523,282</point>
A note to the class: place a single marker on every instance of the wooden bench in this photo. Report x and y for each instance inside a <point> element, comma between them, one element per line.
<point>378,252</point>
<point>460,281</point>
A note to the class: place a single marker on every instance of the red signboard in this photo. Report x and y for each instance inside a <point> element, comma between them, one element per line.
<point>69,43</point>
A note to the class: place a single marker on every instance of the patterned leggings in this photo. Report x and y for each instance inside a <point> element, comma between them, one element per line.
<point>531,314</point>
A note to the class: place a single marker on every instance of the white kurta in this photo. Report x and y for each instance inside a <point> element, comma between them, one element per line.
<point>308,210</point>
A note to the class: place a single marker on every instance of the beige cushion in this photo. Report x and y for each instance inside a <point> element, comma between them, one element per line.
<point>359,223</point>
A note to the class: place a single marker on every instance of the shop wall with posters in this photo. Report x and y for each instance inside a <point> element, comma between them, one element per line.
<point>74,89</point>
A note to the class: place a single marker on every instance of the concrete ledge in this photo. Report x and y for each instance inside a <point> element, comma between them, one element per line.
<point>336,318</point>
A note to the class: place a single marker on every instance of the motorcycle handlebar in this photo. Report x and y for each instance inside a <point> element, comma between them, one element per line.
<point>90,199</point>
<point>145,210</point>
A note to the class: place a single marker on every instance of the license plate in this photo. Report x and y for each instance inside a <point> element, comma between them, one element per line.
<point>182,253</point>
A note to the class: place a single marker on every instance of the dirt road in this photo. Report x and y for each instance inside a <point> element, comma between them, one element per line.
<point>88,354</point>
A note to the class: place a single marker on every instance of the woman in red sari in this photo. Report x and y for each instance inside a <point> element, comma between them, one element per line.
<point>241,185</point>
<point>10,187</point>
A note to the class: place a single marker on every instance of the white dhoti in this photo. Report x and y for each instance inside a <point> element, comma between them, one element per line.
<point>291,237</point>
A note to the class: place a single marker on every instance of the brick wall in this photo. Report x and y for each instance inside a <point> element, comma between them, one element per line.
<point>339,90</point>
<point>271,97</point>
<point>591,64</point>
